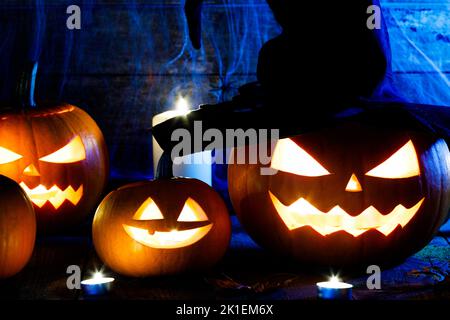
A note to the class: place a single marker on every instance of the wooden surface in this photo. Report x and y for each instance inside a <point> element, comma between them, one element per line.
<point>247,272</point>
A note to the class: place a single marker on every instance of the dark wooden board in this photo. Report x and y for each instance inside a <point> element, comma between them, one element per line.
<point>246,272</point>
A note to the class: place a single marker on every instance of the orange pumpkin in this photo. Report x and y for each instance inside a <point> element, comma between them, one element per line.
<point>347,195</point>
<point>57,153</point>
<point>160,227</point>
<point>17,228</point>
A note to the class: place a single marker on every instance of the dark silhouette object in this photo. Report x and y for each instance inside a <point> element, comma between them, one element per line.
<point>325,50</point>
<point>326,66</point>
<point>193,10</point>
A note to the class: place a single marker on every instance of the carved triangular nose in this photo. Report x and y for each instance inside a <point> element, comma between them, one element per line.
<point>353,184</point>
<point>31,171</point>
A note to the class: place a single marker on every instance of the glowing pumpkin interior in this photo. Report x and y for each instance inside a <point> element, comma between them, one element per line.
<point>73,152</point>
<point>192,212</point>
<point>291,158</point>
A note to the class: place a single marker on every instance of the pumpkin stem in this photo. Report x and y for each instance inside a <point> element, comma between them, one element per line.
<point>26,85</point>
<point>165,165</point>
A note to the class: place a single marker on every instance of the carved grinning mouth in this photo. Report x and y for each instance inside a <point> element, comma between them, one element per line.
<point>40,195</point>
<point>301,213</point>
<point>167,240</point>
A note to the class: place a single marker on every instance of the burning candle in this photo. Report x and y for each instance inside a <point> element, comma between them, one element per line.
<point>97,285</point>
<point>334,289</point>
<point>197,165</point>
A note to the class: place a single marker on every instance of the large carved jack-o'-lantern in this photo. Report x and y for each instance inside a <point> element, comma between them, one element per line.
<point>160,227</point>
<point>57,154</point>
<point>357,192</point>
<point>348,195</point>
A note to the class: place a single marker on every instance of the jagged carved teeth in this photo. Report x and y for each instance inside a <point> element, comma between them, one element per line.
<point>40,195</point>
<point>302,213</point>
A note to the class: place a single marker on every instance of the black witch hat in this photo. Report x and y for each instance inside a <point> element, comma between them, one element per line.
<point>327,65</point>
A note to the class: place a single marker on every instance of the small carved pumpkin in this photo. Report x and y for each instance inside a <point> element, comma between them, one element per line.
<point>160,227</point>
<point>17,228</point>
<point>347,195</point>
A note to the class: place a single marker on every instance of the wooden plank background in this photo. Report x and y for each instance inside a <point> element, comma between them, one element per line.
<point>131,59</point>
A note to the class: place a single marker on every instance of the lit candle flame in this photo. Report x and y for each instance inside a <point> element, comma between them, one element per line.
<point>182,105</point>
<point>97,278</point>
<point>334,279</point>
<point>97,275</point>
<point>334,282</point>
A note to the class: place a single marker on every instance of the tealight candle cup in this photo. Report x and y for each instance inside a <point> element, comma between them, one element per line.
<point>334,290</point>
<point>97,286</point>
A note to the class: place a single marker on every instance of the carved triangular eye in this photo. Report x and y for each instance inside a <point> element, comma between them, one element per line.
<point>192,212</point>
<point>290,157</point>
<point>148,211</point>
<point>7,156</point>
<point>72,152</point>
<point>402,164</point>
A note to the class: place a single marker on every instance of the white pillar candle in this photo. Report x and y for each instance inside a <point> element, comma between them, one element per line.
<point>197,165</point>
<point>157,119</point>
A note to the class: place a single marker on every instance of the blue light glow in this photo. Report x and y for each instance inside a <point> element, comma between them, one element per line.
<point>132,59</point>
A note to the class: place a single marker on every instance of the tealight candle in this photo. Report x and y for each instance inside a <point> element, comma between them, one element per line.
<point>97,285</point>
<point>334,289</point>
<point>196,165</point>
